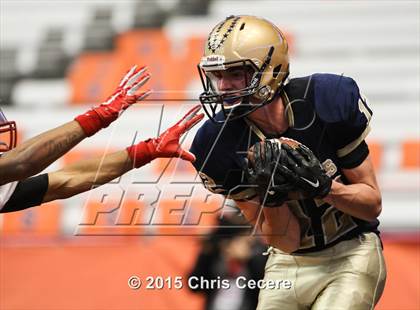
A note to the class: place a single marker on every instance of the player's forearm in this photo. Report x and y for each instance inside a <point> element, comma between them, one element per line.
<point>358,200</point>
<point>34,155</point>
<point>82,176</point>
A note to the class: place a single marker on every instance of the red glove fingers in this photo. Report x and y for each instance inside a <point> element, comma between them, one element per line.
<point>126,94</point>
<point>167,144</point>
<point>128,75</point>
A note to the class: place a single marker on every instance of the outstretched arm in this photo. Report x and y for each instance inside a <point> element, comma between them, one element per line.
<point>81,176</point>
<point>34,155</point>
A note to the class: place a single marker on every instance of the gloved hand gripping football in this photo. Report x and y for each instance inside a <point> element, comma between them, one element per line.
<point>305,172</point>
<point>284,169</point>
<point>263,160</point>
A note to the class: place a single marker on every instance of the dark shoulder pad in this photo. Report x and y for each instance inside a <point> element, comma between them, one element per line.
<point>345,111</point>
<point>336,98</point>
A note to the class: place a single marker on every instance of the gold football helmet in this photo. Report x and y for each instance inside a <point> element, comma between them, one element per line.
<point>247,42</point>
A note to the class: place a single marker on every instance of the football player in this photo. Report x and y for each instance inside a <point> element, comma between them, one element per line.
<point>18,190</point>
<point>327,242</point>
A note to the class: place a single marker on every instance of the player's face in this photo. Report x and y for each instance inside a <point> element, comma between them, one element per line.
<point>230,80</point>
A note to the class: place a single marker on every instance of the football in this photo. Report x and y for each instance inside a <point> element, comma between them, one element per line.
<point>292,143</point>
<point>282,140</point>
<point>293,195</point>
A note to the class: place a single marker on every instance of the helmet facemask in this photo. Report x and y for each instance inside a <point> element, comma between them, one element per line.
<point>236,103</point>
<point>8,136</point>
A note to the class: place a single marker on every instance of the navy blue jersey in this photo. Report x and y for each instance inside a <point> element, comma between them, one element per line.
<point>328,114</point>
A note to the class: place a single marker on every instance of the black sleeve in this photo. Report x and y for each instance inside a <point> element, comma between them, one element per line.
<point>356,157</point>
<point>28,193</point>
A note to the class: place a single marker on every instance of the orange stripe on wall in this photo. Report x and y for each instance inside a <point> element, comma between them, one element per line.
<point>411,154</point>
<point>73,277</point>
<point>95,277</point>
<point>40,220</point>
<point>402,289</point>
<point>376,154</point>
<point>95,76</point>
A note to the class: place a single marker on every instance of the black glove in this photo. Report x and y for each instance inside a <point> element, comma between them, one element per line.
<point>263,159</point>
<point>305,172</point>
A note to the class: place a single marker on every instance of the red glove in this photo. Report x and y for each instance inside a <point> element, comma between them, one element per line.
<point>167,144</point>
<point>124,96</point>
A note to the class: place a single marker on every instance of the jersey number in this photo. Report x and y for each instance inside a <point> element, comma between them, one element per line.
<point>334,225</point>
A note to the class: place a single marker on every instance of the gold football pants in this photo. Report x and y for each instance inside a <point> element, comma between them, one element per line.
<point>349,275</point>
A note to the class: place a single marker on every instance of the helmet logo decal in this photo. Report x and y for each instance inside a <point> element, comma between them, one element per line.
<point>216,61</point>
<point>216,40</point>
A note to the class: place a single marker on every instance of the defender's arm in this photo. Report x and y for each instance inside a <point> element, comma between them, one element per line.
<point>81,176</point>
<point>36,154</point>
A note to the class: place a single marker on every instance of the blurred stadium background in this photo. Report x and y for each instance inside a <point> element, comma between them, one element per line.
<point>59,57</point>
